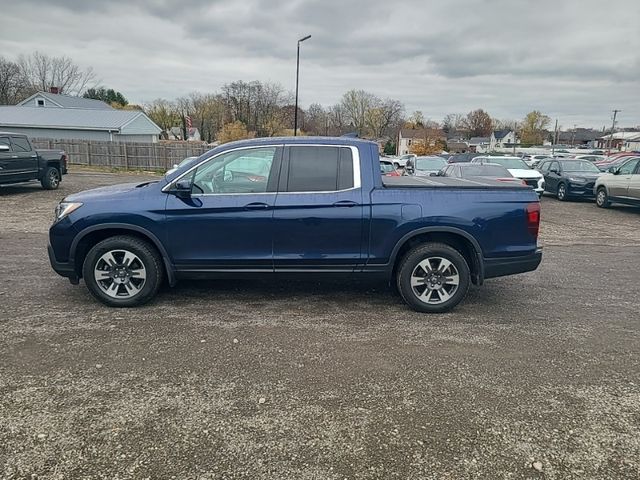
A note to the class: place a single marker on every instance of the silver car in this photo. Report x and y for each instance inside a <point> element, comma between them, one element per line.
<point>620,185</point>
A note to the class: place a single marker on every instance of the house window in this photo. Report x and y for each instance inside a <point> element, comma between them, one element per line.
<point>40,102</point>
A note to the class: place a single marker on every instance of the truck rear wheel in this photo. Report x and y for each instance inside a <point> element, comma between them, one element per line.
<point>123,271</point>
<point>51,178</point>
<point>433,278</point>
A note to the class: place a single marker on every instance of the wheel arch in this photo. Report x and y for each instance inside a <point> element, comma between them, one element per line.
<point>90,236</point>
<point>457,238</point>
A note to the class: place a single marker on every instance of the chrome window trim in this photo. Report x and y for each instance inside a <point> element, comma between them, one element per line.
<point>355,158</point>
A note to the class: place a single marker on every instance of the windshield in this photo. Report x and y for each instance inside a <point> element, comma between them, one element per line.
<point>474,170</point>
<point>430,163</point>
<point>508,162</point>
<point>579,166</point>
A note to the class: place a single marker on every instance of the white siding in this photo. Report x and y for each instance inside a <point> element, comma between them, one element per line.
<point>60,134</point>
<point>34,103</point>
<point>141,125</point>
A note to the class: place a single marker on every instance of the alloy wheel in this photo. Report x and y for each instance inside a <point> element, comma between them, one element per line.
<point>120,274</point>
<point>435,280</point>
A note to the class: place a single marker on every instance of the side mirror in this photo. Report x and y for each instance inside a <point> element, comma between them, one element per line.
<point>4,148</point>
<point>409,169</point>
<point>614,170</point>
<point>554,170</point>
<point>434,174</point>
<point>182,188</point>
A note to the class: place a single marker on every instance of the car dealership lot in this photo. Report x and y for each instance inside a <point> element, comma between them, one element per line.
<point>334,380</point>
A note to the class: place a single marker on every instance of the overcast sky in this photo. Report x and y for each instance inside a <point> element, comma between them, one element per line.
<point>572,59</point>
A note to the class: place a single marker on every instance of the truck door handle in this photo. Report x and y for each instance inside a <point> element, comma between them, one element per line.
<point>256,206</point>
<point>14,156</point>
<point>345,203</point>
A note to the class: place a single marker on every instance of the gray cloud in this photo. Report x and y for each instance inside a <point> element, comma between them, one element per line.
<point>574,59</point>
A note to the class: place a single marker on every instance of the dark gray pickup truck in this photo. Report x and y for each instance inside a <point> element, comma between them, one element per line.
<point>20,162</point>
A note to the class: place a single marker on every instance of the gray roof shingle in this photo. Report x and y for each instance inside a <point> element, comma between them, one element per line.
<point>69,101</point>
<point>72,118</point>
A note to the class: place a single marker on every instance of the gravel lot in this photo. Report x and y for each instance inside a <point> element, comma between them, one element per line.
<point>533,376</point>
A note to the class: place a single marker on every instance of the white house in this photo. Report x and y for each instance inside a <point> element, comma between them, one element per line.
<point>62,117</point>
<point>502,138</point>
<point>407,136</point>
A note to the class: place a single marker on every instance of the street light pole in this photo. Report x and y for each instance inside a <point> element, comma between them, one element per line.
<point>295,113</point>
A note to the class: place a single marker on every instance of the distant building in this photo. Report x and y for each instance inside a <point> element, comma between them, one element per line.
<point>175,133</point>
<point>579,137</point>
<point>620,141</point>
<point>479,144</point>
<point>457,146</point>
<point>64,117</point>
<point>407,136</point>
<point>502,139</point>
<point>55,100</point>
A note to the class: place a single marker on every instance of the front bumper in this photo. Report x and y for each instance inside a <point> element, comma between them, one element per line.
<point>64,269</point>
<point>500,267</point>
<point>581,189</point>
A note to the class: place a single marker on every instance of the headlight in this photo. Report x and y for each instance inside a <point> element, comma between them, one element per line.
<point>65,208</point>
<point>577,180</point>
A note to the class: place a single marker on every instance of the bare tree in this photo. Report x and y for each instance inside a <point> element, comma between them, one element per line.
<point>479,123</point>
<point>383,117</point>
<point>13,86</point>
<point>43,72</point>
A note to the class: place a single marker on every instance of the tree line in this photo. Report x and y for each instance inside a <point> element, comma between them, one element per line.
<point>243,109</point>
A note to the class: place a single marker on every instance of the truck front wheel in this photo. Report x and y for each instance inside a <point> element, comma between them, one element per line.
<point>51,178</point>
<point>123,271</point>
<point>433,278</point>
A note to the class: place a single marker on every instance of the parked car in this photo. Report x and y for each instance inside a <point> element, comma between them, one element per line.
<point>462,157</point>
<point>518,169</point>
<point>590,157</point>
<point>20,162</point>
<point>184,162</point>
<point>614,160</point>
<point>568,178</point>
<point>388,169</point>
<point>424,166</point>
<point>621,185</point>
<point>482,171</point>
<point>401,161</point>
<point>533,160</point>
<point>322,208</point>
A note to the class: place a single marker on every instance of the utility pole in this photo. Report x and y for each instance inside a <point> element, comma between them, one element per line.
<point>295,113</point>
<point>613,126</point>
<point>555,139</point>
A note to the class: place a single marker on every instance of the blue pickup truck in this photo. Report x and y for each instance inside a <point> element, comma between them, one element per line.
<point>289,206</point>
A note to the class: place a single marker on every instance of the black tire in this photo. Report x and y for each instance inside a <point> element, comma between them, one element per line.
<point>431,252</point>
<point>602,198</point>
<point>51,178</point>
<point>147,260</point>
<point>562,193</point>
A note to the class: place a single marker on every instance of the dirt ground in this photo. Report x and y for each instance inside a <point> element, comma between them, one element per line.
<point>533,376</point>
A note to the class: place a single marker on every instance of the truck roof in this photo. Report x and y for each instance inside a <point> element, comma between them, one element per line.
<point>15,134</point>
<point>302,140</point>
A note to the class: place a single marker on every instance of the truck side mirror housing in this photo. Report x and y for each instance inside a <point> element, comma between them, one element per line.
<point>182,188</point>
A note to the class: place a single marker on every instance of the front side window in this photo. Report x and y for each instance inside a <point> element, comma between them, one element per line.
<point>319,169</point>
<point>629,167</point>
<point>239,171</point>
<point>544,167</point>
<point>20,144</point>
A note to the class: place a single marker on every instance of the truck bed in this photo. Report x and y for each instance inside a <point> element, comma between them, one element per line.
<point>478,183</point>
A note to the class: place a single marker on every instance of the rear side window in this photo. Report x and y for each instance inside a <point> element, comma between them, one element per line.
<point>20,144</point>
<point>319,169</point>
